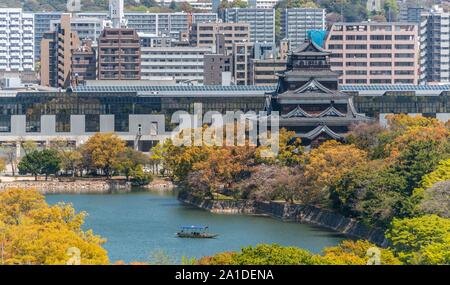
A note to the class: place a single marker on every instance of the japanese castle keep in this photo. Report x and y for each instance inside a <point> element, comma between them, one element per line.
<point>308,100</point>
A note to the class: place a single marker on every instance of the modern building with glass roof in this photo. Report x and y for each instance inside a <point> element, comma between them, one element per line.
<point>77,113</point>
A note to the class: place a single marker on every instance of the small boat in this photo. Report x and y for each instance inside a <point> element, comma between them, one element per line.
<point>195,232</point>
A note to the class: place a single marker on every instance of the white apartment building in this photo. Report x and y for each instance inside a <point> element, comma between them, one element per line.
<point>435,46</point>
<point>262,4</point>
<point>16,40</point>
<point>182,64</point>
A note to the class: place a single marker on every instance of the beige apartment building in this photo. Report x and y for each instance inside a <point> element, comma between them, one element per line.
<point>264,72</point>
<point>374,53</point>
<point>204,34</point>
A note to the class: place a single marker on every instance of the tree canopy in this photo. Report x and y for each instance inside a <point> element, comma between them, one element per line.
<point>33,232</point>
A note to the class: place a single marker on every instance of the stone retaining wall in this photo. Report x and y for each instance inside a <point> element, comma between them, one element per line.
<point>288,212</point>
<point>71,187</point>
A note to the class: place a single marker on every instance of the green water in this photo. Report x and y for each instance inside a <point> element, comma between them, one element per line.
<point>139,224</point>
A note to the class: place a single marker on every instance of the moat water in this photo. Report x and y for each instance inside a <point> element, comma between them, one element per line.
<point>139,226</point>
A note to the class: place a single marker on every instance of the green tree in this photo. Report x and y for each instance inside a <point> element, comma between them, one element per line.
<point>273,254</point>
<point>50,162</point>
<point>371,196</point>
<point>36,162</point>
<point>391,10</point>
<point>130,161</point>
<point>418,240</point>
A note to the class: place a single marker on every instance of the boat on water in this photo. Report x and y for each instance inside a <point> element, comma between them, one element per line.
<point>195,232</point>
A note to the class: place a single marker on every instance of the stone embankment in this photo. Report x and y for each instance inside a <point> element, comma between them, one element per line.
<point>291,212</point>
<point>79,186</point>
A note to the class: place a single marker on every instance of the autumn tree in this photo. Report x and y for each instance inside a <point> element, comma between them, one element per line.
<point>269,182</point>
<point>10,156</point>
<point>289,153</point>
<point>102,151</point>
<point>368,137</point>
<point>36,233</point>
<point>222,167</point>
<point>325,165</point>
<point>2,164</point>
<point>70,156</point>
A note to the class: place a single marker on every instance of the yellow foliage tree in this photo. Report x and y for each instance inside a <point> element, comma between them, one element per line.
<point>326,165</point>
<point>32,232</point>
<point>351,252</point>
<point>102,151</point>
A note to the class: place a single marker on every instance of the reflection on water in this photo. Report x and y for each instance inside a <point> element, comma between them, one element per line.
<point>141,223</point>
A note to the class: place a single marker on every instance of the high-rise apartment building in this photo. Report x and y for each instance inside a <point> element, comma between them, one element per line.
<point>56,54</point>
<point>434,46</point>
<point>170,24</point>
<point>119,55</point>
<point>374,53</point>
<point>205,34</point>
<point>261,21</point>
<point>242,53</point>
<point>296,22</point>
<point>42,23</point>
<point>182,64</point>
<point>84,64</point>
<point>16,40</point>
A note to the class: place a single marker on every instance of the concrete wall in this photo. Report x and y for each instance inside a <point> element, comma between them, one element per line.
<point>152,128</point>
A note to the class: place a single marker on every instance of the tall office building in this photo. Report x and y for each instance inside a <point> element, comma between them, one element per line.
<point>56,54</point>
<point>434,46</point>
<point>374,53</point>
<point>16,40</point>
<point>296,22</point>
<point>42,23</point>
<point>119,55</point>
<point>261,21</point>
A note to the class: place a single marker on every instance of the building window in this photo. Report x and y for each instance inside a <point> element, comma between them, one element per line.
<point>121,122</point>
<point>92,123</point>
<point>33,123</point>
<point>62,123</point>
<point>5,123</point>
